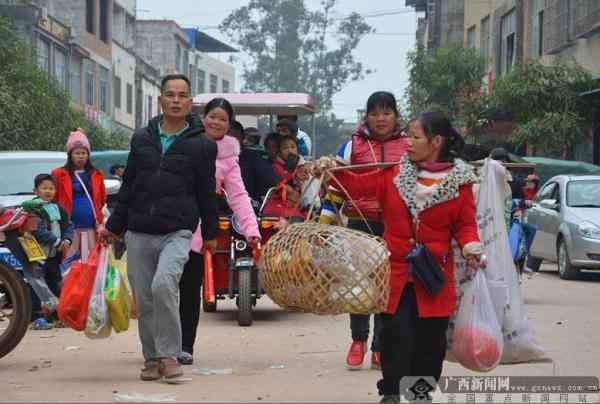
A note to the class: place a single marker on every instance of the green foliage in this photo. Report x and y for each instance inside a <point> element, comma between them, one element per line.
<point>288,47</point>
<point>545,102</point>
<point>447,81</point>
<point>36,111</point>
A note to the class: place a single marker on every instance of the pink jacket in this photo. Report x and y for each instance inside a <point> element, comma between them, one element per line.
<point>229,178</point>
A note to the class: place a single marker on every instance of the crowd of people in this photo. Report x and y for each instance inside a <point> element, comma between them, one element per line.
<point>182,167</point>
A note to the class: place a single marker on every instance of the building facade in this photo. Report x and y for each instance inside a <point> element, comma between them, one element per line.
<point>443,23</point>
<point>147,90</point>
<point>164,45</point>
<point>208,73</point>
<point>124,65</point>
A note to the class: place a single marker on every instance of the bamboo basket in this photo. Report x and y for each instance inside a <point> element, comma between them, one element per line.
<point>321,269</point>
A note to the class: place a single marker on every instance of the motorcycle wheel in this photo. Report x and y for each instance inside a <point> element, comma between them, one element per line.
<point>15,309</point>
<point>245,298</point>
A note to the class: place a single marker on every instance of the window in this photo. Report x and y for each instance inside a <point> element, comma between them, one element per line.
<point>583,193</point>
<point>213,83</point>
<point>485,39</point>
<point>471,32</point>
<point>117,92</point>
<point>60,67</point>
<point>149,108</point>
<point>508,26</point>
<point>90,16</point>
<point>178,58</point>
<point>75,80</point>
<point>89,83</point>
<point>43,55</point>
<point>186,62</point>
<point>129,98</point>
<point>548,192</point>
<point>201,87</point>
<point>225,86</point>
<point>104,19</point>
<point>103,89</point>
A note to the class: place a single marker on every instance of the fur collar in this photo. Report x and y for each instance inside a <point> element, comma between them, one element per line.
<point>406,183</point>
<point>227,147</point>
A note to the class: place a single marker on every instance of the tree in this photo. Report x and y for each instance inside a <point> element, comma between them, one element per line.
<point>36,112</point>
<point>287,45</point>
<point>545,103</point>
<point>449,81</point>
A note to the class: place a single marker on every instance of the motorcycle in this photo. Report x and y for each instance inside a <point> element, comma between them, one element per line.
<point>15,304</point>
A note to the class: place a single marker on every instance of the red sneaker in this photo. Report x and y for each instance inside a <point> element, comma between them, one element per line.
<point>376,360</point>
<point>356,355</point>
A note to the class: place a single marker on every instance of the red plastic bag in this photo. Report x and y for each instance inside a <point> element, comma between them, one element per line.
<point>477,341</point>
<point>77,290</point>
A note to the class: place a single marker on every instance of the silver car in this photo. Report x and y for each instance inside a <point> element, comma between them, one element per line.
<point>566,214</point>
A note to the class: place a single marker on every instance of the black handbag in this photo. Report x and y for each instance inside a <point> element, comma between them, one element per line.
<point>425,268</point>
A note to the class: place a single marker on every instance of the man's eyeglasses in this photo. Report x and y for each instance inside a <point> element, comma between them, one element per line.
<point>172,96</point>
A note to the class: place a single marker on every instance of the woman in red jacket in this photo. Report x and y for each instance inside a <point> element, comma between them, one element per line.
<point>80,191</point>
<point>426,199</point>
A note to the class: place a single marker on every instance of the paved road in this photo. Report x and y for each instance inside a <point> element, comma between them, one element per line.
<point>283,356</point>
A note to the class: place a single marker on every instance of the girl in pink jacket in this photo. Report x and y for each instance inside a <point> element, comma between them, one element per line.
<point>218,115</point>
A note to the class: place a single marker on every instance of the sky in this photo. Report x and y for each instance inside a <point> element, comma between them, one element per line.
<point>385,52</point>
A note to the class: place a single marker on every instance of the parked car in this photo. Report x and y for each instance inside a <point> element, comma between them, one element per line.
<point>566,213</point>
<point>18,170</point>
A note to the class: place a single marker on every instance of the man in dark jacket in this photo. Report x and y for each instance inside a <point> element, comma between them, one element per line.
<point>169,184</point>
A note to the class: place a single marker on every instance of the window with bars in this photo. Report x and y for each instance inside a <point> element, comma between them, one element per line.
<point>75,79</point>
<point>43,55</point>
<point>178,58</point>
<point>201,86</point>
<point>89,83</point>
<point>149,108</point>
<point>484,44</point>
<point>117,92</point>
<point>225,86</point>
<point>129,98</point>
<point>471,34</point>
<point>508,24</point>
<point>103,87</point>
<point>60,67</point>
<point>214,83</point>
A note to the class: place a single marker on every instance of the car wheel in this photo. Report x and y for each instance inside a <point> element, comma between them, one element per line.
<point>533,263</point>
<point>565,269</point>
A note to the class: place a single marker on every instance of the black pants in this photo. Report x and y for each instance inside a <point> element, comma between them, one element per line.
<point>410,346</point>
<point>190,295</point>
<point>360,326</point>
<point>52,273</point>
<point>360,323</point>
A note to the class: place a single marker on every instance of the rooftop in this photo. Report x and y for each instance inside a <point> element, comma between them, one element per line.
<point>206,43</point>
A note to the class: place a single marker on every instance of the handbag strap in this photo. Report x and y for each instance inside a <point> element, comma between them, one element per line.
<point>88,195</point>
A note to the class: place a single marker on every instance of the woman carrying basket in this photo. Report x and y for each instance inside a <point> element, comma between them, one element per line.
<point>427,201</point>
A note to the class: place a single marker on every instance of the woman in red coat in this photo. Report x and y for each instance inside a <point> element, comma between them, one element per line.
<point>80,191</point>
<point>429,193</point>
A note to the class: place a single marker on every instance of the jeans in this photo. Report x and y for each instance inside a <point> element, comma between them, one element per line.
<point>190,287</point>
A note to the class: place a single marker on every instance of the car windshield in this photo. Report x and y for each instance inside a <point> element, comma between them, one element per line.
<point>583,194</point>
<point>18,174</point>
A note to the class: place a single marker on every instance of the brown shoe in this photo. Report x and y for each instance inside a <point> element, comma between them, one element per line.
<point>150,371</point>
<point>169,368</point>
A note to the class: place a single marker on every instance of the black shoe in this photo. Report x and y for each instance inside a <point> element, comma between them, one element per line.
<point>185,358</point>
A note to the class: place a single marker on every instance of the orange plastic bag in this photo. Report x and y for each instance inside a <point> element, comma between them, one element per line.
<point>77,290</point>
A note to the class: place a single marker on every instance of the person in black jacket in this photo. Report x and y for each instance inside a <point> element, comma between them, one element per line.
<point>168,185</point>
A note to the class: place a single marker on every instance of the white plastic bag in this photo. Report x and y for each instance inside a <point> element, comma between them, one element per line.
<point>520,344</point>
<point>477,341</point>
<point>98,319</point>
